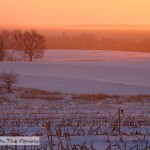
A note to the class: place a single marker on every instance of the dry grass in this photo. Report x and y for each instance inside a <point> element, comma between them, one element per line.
<point>38,91</point>
<point>29,93</point>
<point>118,98</point>
<point>137,98</point>
<point>93,97</point>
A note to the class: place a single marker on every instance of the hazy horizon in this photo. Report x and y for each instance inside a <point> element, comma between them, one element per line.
<point>77,26</point>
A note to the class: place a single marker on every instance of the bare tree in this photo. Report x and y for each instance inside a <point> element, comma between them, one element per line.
<point>4,43</point>
<point>31,43</point>
<point>8,79</point>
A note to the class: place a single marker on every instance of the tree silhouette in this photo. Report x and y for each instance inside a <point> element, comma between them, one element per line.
<point>4,43</point>
<point>31,43</point>
<point>8,79</point>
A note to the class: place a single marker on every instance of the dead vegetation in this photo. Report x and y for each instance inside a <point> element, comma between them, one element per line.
<point>94,97</point>
<point>30,93</point>
<point>61,122</point>
<point>137,98</point>
<point>118,99</point>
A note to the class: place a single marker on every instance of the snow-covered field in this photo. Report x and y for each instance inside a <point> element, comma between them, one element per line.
<point>63,118</point>
<point>88,71</point>
<point>76,121</point>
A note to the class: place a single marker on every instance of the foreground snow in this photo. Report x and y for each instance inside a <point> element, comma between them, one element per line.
<point>86,71</point>
<point>84,121</point>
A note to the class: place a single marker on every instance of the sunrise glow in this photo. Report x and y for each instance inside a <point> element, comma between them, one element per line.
<point>71,12</point>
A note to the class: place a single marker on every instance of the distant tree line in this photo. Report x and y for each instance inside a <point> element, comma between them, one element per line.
<point>30,43</point>
<point>93,42</point>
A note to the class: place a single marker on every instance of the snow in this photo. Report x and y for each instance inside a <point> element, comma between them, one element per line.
<point>29,115</point>
<point>81,71</point>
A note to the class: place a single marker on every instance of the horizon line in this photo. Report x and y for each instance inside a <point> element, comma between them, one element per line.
<point>75,26</point>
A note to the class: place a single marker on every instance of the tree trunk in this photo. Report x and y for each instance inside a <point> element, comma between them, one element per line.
<point>1,55</point>
<point>1,52</point>
<point>9,88</point>
<point>30,58</point>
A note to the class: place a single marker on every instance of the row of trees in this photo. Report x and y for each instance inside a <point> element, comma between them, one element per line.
<point>140,43</point>
<point>30,43</point>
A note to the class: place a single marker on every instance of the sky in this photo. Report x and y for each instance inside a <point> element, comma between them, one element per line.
<point>74,12</point>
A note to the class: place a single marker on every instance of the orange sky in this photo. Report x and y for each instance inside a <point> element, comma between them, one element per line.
<point>69,12</point>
